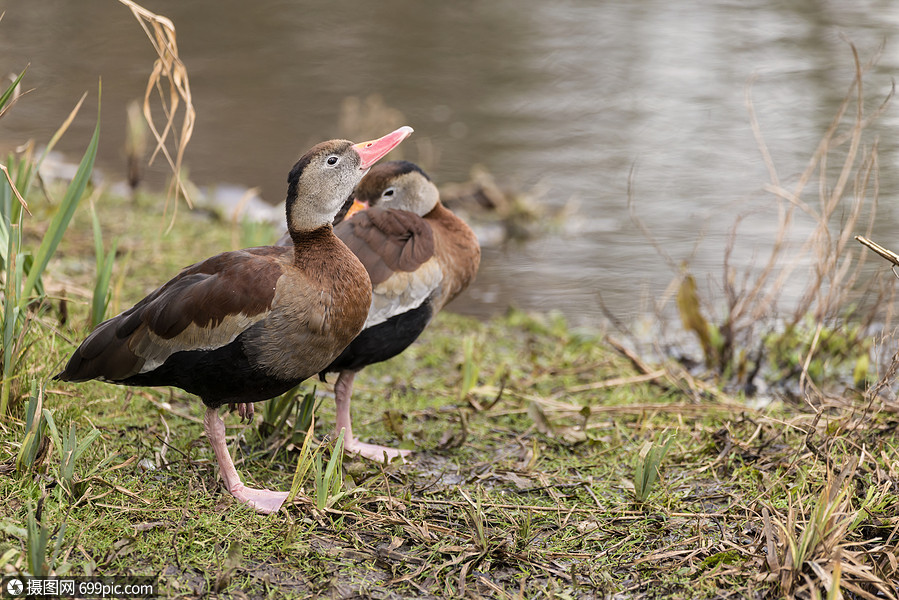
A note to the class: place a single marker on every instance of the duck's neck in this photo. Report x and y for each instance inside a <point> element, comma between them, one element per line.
<point>309,244</point>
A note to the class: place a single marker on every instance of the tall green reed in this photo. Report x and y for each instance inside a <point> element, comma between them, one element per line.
<point>23,267</point>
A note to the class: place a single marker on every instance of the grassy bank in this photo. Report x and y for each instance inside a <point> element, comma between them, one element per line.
<point>534,477</point>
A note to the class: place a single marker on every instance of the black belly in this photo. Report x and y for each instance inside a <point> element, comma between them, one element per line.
<point>382,341</point>
<point>221,376</point>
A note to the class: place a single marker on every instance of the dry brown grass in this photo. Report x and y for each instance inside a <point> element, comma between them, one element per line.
<point>169,83</point>
<point>838,538</point>
<point>835,267</point>
<point>838,202</point>
<point>810,549</point>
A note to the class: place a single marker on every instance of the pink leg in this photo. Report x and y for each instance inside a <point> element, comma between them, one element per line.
<point>263,501</point>
<point>343,389</point>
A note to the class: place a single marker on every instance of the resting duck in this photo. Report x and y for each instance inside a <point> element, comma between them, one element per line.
<point>419,256</point>
<point>245,326</point>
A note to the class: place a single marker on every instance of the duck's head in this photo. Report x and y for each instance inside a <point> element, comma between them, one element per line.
<point>397,184</point>
<point>321,181</point>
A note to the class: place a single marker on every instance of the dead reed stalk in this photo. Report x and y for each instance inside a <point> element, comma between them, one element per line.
<point>734,345</point>
<point>170,82</point>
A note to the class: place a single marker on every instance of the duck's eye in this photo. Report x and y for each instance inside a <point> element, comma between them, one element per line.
<point>332,160</point>
<point>388,192</point>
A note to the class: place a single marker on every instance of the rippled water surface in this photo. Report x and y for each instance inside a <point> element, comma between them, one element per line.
<point>567,96</point>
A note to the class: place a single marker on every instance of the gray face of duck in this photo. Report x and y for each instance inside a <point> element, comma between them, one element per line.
<point>320,182</point>
<point>399,185</point>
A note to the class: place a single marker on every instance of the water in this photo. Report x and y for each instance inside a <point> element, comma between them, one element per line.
<point>569,95</point>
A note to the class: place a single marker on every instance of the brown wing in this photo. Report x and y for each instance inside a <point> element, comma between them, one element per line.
<point>457,251</point>
<point>205,306</point>
<point>387,241</point>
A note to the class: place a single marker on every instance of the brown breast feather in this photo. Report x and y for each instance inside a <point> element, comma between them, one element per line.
<point>387,241</point>
<point>320,305</point>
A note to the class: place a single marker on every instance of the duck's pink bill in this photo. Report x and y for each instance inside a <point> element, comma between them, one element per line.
<point>374,150</point>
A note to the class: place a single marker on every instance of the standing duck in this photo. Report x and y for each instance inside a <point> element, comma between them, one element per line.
<point>419,256</point>
<point>245,326</point>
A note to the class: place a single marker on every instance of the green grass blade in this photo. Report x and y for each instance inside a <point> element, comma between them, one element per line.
<point>63,215</point>
<point>647,469</point>
<point>54,432</point>
<point>14,530</point>
<point>640,472</point>
<point>334,471</point>
<point>102,292</point>
<point>470,369</point>
<point>4,98</point>
<point>321,490</point>
<point>67,466</point>
<point>11,312</point>
<point>84,444</point>
<point>23,168</point>
<point>303,464</point>
<point>105,262</point>
<point>285,404</point>
<point>33,429</point>
<point>305,414</point>
<point>58,545</point>
<point>5,207</point>
<point>98,235</point>
<point>4,237</point>
<point>38,536</point>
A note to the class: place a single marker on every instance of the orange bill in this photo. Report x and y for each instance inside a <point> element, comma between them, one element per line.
<point>356,207</point>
